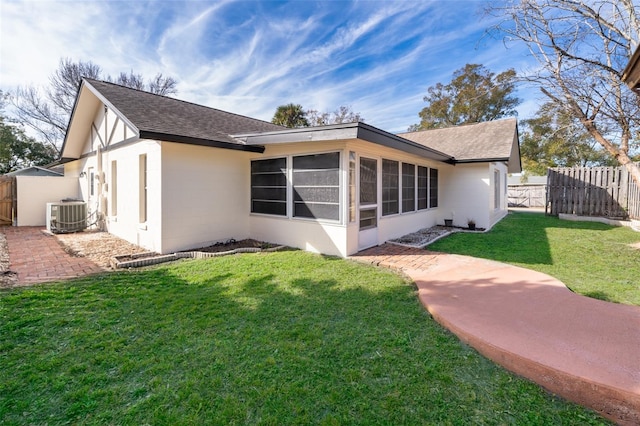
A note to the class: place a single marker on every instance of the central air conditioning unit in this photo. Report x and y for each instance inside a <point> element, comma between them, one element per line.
<point>66,217</point>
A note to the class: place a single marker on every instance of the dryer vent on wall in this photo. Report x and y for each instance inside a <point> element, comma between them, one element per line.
<point>66,217</point>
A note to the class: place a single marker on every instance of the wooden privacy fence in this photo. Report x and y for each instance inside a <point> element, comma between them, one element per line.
<point>7,200</point>
<point>592,191</point>
<point>526,195</point>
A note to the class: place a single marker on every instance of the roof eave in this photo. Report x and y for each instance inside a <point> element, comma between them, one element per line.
<point>482,160</point>
<point>71,116</point>
<point>200,142</point>
<point>346,131</point>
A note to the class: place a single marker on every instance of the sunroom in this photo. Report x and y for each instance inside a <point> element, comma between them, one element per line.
<point>340,189</point>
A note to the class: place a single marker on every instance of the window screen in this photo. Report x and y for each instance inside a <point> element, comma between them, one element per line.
<point>408,187</point>
<point>316,186</point>
<point>497,187</point>
<point>423,188</point>
<point>352,186</point>
<point>269,186</point>
<point>433,188</point>
<point>390,187</point>
<point>368,181</point>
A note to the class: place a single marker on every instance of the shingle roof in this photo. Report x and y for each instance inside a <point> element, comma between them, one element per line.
<point>160,115</point>
<point>489,141</point>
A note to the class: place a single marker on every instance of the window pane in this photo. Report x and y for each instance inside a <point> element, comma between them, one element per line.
<point>272,193</point>
<point>408,187</point>
<point>433,188</point>
<point>317,211</point>
<point>269,207</point>
<point>269,186</point>
<point>269,179</point>
<point>271,165</point>
<point>368,218</point>
<point>318,194</point>
<point>423,181</point>
<point>390,187</point>
<point>368,181</point>
<point>352,186</point>
<point>497,188</point>
<point>316,177</point>
<point>316,186</point>
<point>317,161</point>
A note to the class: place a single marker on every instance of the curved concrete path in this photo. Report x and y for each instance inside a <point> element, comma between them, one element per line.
<point>585,350</point>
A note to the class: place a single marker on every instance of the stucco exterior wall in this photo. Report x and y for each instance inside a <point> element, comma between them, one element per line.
<point>126,223</point>
<point>319,236</point>
<point>34,192</point>
<point>498,210</point>
<point>469,193</point>
<point>205,196</point>
<point>100,150</point>
<point>466,194</point>
<point>305,234</point>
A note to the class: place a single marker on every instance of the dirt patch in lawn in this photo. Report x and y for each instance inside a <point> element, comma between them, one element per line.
<point>635,245</point>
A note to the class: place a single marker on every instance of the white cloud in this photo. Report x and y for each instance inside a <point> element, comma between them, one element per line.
<point>248,58</point>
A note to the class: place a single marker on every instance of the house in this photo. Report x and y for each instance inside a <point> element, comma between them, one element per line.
<point>170,175</point>
<point>35,171</point>
<point>631,73</point>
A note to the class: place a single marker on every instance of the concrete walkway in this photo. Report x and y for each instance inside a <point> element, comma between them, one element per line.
<point>585,350</point>
<point>38,257</point>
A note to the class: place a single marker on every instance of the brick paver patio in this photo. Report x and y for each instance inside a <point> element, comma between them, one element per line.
<point>38,257</point>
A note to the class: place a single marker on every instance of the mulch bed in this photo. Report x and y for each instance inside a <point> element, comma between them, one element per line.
<point>232,245</point>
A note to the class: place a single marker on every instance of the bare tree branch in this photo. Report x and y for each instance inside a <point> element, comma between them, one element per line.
<point>582,48</point>
<point>47,112</point>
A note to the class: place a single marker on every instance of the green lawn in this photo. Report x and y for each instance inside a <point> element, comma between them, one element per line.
<point>281,338</point>
<point>591,258</point>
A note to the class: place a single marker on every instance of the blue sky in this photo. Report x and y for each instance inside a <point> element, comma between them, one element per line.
<point>248,57</point>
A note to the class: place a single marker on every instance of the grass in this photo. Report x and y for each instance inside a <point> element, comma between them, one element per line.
<point>281,338</point>
<point>591,258</point>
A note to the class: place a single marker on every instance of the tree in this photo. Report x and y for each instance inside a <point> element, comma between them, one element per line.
<point>47,111</point>
<point>556,139</point>
<point>474,94</point>
<point>18,150</point>
<point>290,115</point>
<point>581,48</point>
<point>343,114</point>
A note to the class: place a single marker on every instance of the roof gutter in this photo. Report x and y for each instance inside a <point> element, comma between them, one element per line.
<point>200,142</point>
<point>346,131</point>
<point>481,160</point>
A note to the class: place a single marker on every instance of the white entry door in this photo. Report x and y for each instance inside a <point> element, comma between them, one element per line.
<point>368,203</point>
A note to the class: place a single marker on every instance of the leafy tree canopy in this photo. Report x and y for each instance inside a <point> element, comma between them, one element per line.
<point>555,138</point>
<point>17,150</point>
<point>475,94</point>
<point>290,115</point>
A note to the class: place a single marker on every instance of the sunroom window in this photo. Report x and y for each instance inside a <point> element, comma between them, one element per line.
<point>269,186</point>
<point>316,186</point>
<point>423,187</point>
<point>390,187</point>
<point>408,187</point>
<point>433,188</point>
